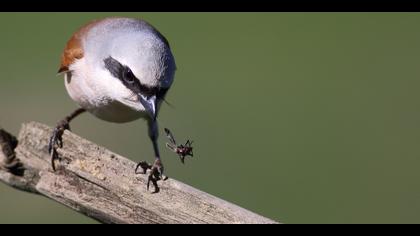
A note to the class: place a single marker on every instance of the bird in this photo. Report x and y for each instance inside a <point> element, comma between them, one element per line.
<point>119,70</point>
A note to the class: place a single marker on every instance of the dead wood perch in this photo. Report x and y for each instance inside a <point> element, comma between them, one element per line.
<point>103,186</point>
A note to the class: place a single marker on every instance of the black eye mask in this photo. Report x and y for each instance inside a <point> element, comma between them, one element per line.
<point>126,76</point>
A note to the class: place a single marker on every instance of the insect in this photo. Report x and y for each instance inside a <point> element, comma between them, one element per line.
<point>182,150</point>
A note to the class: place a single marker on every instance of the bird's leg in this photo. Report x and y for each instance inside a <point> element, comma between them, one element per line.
<point>56,139</point>
<point>156,170</point>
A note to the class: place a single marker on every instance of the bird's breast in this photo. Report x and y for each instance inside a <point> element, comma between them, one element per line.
<point>93,99</point>
<point>116,112</point>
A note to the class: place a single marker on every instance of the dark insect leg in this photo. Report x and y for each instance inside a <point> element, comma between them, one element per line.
<point>56,139</point>
<point>182,158</point>
<point>190,145</point>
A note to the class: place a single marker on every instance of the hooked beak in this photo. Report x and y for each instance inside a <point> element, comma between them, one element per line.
<point>150,104</point>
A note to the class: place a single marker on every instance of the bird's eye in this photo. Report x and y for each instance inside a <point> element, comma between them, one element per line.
<point>128,76</point>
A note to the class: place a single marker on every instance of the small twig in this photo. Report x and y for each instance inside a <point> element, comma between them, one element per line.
<point>103,185</point>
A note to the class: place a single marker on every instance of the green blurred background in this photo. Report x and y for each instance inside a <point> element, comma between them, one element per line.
<point>301,117</point>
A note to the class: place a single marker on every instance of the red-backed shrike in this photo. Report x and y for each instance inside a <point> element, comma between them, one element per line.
<point>119,70</point>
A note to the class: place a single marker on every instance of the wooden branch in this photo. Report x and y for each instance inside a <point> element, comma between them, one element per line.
<point>103,186</point>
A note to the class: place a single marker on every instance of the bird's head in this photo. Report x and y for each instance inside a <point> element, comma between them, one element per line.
<point>123,60</point>
<point>142,67</point>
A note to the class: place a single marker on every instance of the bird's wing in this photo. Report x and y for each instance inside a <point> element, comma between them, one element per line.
<point>72,51</point>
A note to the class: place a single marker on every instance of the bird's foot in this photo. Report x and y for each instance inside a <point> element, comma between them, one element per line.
<point>156,173</point>
<point>56,140</point>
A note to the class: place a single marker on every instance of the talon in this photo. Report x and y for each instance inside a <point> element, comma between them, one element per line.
<point>154,182</point>
<point>57,135</point>
<point>60,140</point>
<point>50,146</point>
<point>144,165</point>
<point>159,168</point>
<point>156,173</point>
<point>56,140</point>
<point>54,157</point>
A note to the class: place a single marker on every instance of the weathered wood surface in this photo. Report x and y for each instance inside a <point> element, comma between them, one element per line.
<point>102,184</point>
